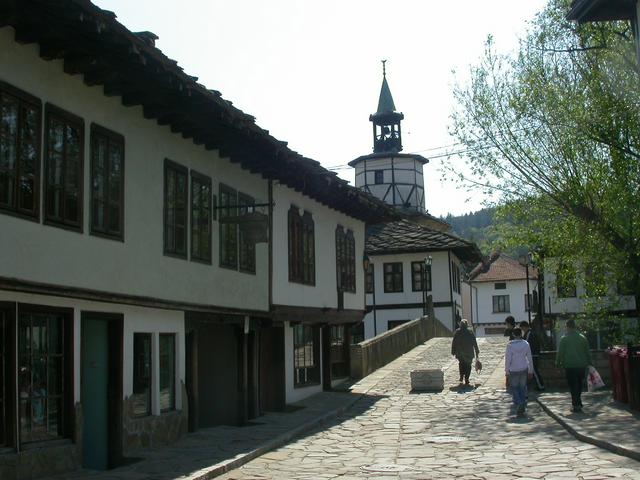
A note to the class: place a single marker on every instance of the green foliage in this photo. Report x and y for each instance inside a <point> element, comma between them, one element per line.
<point>554,129</point>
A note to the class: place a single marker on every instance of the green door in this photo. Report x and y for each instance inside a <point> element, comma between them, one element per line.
<point>94,391</point>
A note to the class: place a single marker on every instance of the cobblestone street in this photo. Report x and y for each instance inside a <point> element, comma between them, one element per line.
<point>458,433</point>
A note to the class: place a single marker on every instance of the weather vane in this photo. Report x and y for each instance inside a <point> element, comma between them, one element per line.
<point>384,68</point>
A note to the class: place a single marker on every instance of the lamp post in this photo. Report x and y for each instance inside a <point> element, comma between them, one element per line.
<point>426,263</point>
<point>527,260</point>
<point>366,263</point>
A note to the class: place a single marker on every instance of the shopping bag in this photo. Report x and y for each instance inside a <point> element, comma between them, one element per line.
<point>478,365</point>
<point>594,380</point>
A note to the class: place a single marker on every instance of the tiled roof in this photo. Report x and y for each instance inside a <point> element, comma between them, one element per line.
<point>499,267</point>
<point>404,236</point>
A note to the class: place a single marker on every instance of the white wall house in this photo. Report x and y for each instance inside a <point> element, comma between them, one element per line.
<point>395,289</point>
<point>498,289</point>
<point>131,286</point>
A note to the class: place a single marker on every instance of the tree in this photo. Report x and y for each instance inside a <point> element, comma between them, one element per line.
<point>555,129</point>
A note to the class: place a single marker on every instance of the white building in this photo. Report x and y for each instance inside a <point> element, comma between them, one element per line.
<point>399,280</point>
<point>498,289</point>
<point>131,291</point>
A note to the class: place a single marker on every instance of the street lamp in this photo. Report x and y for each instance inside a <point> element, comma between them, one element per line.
<point>527,260</point>
<point>426,263</point>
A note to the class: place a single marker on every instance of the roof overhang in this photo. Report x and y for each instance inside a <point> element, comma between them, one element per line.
<point>584,11</point>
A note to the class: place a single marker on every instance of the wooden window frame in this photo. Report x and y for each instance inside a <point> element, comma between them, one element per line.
<point>24,100</point>
<point>345,260</point>
<point>506,304</point>
<point>204,205</point>
<point>172,375</point>
<point>182,171</point>
<point>228,210</point>
<point>369,279</point>
<point>67,368</point>
<point>416,282</point>
<point>396,288</point>
<point>98,131</point>
<point>51,112</point>
<point>149,396</point>
<point>246,249</point>
<point>311,373</point>
<point>301,239</point>
<point>376,174</point>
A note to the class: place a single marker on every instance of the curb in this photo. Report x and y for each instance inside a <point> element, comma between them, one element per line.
<point>228,465</point>
<point>612,447</point>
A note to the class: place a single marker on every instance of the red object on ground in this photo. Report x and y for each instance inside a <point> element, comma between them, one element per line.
<point>618,361</point>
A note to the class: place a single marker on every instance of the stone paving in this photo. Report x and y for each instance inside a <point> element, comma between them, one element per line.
<point>458,433</point>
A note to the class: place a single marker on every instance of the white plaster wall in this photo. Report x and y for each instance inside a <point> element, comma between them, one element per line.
<point>35,252</point>
<point>440,283</point>
<point>395,170</point>
<point>296,394</point>
<point>136,319</point>
<point>324,293</point>
<point>483,299</point>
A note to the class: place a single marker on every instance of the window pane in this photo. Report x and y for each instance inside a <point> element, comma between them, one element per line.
<point>8,150</point>
<point>29,158</point>
<point>167,371</point>
<point>175,201</point>
<point>141,397</point>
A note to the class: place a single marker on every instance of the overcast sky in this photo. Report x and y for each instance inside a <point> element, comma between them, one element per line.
<point>310,71</point>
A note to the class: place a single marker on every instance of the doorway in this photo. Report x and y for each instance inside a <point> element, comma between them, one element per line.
<point>101,351</point>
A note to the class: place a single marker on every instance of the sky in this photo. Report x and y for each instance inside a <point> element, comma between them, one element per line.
<point>310,71</point>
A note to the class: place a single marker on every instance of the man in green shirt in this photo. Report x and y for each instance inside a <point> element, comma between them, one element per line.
<point>574,356</point>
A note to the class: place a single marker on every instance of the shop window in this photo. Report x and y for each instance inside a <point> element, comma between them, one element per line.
<point>141,397</point>
<point>306,340</point>
<point>167,372</point>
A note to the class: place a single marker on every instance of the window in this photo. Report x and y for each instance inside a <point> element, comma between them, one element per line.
<point>167,372</point>
<point>228,231</point>
<point>417,269</point>
<point>247,249</point>
<point>175,209</point>
<point>20,117</point>
<point>500,286</point>
<point>107,183</point>
<point>5,386</point>
<point>200,217</point>
<point>43,373</point>
<point>531,301</point>
<point>566,281</point>
<point>368,279</point>
<point>392,277</point>
<point>301,247</point>
<point>357,333</point>
<point>63,163</point>
<point>345,260</point>
<point>339,355</point>
<point>378,176</point>
<point>141,397</point>
<point>305,355</point>
<point>455,278</point>
<point>501,303</point>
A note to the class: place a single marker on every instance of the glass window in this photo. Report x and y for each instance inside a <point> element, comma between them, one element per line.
<point>175,209</point>
<point>63,168</point>
<point>305,355</point>
<point>369,279</point>
<point>20,115</point>
<point>393,277</point>
<point>500,286</point>
<point>41,389</point>
<point>378,177</point>
<point>417,272</point>
<point>500,303</point>
<point>200,217</point>
<point>301,247</point>
<point>167,372</point>
<point>107,183</point>
<point>228,231</point>
<point>345,260</point>
<point>247,249</point>
<point>141,397</point>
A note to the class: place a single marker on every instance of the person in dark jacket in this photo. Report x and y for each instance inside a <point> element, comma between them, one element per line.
<point>510,324</point>
<point>534,343</point>
<point>465,347</point>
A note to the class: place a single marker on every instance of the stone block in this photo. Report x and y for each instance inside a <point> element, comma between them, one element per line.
<point>431,380</point>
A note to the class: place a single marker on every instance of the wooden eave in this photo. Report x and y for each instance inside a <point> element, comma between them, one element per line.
<point>601,10</point>
<point>92,43</point>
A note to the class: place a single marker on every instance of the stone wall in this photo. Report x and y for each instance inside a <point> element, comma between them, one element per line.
<point>154,430</point>
<point>368,356</point>
<point>555,377</point>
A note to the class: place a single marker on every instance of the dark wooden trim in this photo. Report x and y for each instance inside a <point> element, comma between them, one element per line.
<point>26,286</point>
<point>400,306</point>
<point>204,180</point>
<point>37,182</point>
<point>248,202</point>
<point>96,129</point>
<point>74,121</point>
<point>232,192</point>
<point>314,315</point>
<point>9,375</point>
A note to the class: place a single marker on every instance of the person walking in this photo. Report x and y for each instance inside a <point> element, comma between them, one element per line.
<point>574,356</point>
<point>464,347</point>
<point>534,343</point>
<point>518,368</point>
<point>510,324</point>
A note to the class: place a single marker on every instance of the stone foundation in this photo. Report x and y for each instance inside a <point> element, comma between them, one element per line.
<point>152,431</point>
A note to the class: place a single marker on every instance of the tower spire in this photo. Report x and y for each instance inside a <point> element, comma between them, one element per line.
<point>386,121</point>
<point>384,68</point>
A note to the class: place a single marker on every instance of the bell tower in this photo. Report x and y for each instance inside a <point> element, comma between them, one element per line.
<point>387,134</point>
